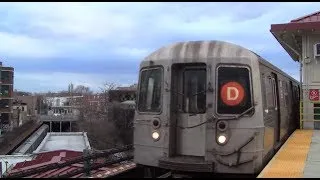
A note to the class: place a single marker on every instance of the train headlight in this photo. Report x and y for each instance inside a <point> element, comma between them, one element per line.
<point>155,135</point>
<point>222,139</point>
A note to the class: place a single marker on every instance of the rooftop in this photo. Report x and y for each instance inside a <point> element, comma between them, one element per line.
<point>73,141</point>
<point>289,35</point>
<point>12,160</point>
<point>313,17</point>
<point>128,104</point>
<point>45,159</point>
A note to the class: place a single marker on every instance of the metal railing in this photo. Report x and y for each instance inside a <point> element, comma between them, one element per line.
<point>312,110</point>
<point>59,118</point>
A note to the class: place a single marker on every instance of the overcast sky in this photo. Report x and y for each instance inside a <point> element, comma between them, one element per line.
<point>53,44</point>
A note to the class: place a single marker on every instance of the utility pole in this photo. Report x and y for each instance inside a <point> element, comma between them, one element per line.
<point>0,169</point>
<point>86,165</point>
<point>6,166</point>
<point>18,120</point>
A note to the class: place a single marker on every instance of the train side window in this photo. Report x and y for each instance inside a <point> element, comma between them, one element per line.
<point>289,92</point>
<point>269,92</point>
<point>234,89</point>
<point>286,97</point>
<point>298,93</point>
<point>316,111</point>
<point>194,90</point>
<point>150,90</point>
<point>293,93</point>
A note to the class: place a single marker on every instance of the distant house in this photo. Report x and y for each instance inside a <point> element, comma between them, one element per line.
<point>94,101</point>
<point>20,113</point>
<point>67,105</point>
<point>32,104</point>
<point>122,94</point>
<point>128,104</point>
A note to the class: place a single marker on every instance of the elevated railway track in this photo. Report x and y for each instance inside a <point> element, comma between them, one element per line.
<point>11,140</point>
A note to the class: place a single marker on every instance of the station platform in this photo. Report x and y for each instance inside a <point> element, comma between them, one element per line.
<point>299,157</point>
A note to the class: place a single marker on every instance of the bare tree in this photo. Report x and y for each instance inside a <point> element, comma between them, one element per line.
<point>107,123</point>
<point>21,93</point>
<point>107,87</point>
<point>123,120</point>
<point>94,113</point>
<point>81,89</point>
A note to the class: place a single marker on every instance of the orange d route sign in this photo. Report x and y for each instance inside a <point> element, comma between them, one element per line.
<point>232,93</point>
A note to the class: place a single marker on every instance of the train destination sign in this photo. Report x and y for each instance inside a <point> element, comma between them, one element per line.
<point>232,93</point>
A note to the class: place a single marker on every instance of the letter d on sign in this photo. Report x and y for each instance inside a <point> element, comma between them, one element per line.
<point>232,93</point>
<point>235,94</point>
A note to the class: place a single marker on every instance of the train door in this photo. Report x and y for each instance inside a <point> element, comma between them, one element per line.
<point>294,106</point>
<point>275,112</point>
<point>190,82</point>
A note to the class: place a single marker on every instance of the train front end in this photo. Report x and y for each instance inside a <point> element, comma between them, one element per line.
<point>197,111</point>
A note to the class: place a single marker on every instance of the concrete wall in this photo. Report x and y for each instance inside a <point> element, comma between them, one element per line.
<point>31,144</point>
<point>74,112</point>
<point>72,141</point>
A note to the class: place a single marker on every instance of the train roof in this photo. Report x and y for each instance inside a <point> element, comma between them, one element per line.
<point>196,50</point>
<point>199,50</point>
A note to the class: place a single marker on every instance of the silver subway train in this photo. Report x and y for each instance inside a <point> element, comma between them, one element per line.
<point>212,106</point>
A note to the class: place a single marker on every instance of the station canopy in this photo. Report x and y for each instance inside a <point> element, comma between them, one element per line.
<point>289,35</point>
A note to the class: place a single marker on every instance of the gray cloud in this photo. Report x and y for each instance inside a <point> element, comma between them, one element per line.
<point>45,35</point>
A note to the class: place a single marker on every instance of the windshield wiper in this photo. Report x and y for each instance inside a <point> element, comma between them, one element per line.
<point>199,93</point>
<point>167,89</point>
<point>210,89</point>
<point>239,115</point>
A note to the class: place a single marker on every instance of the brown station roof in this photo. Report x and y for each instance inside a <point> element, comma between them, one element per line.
<point>289,35</point>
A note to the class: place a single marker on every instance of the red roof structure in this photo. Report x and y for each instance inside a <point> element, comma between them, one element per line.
<point>308,18</point>
<point>45,159</point>
<point>61,156</point>
<point>289,35</point>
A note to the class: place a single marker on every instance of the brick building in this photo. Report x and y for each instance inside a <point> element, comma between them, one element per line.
<point>6,97</point>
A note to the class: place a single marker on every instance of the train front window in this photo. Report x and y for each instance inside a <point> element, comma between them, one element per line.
<point>194,91</point>
<point>150,90</point>
<point>234,90</point>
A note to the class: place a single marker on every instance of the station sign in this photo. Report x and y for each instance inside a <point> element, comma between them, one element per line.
<point>314,94</point>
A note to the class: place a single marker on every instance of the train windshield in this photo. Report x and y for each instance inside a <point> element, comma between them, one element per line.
<point>194,90</point>
<point>150,90</point>
<point>234,90</point>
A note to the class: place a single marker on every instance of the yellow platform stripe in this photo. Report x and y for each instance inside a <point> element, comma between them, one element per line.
<point>289,162</point>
